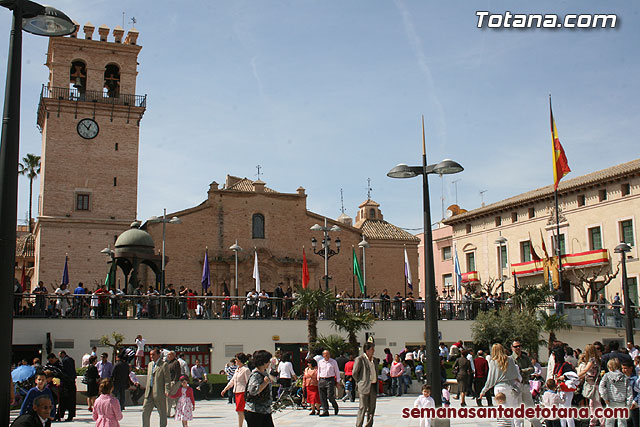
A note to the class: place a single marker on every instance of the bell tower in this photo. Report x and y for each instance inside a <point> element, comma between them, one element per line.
<point>89,117</point>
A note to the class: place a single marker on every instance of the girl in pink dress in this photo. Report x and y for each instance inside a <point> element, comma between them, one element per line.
<point>186,403</point>
<point>106,409</point>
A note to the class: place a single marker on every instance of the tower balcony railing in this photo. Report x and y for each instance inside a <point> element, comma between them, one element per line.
<point>78,95</point>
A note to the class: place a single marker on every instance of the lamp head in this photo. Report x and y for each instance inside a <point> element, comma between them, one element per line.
<point>501,240</point>
<point>45,20</point>
<point>175,220</point>
<point>338,242</point>
<point>106,251</point>
<point>235,247</point>
<point>314,242</point>
<point>334,228</point>
<point>622,248</point>
<point>401,171</point>
<point>447,167</point>
<point>363,243</point>
<point>316,227</point>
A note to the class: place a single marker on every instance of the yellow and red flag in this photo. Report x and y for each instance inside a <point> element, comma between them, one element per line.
<point>560,163</point>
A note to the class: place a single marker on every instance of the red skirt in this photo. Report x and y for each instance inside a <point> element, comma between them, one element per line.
<point>312,394</point>
<point>239,402</point>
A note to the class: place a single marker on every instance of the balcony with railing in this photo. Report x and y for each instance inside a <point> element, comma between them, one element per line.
<point>79,95</point>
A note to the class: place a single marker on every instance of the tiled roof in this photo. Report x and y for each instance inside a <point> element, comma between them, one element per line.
<point>246,185</point>
<point>380,229</point>
<point>604,175</point>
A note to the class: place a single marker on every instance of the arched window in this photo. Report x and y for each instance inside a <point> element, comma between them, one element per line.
<point>372,213</point>
<point>78,76</point>
<point>112,81</point>
<point>258,226</point>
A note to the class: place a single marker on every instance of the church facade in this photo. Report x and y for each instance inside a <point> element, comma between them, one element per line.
<point>277,226</point>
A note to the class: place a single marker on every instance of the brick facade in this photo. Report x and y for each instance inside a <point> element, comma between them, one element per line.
<point>104,168</point>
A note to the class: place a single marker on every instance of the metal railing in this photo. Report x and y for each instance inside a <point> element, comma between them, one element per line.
<point>74,94</point>
<point>102,306</point>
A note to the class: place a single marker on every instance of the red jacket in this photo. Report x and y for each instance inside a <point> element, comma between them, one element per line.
<point>189,395</point>
<point>482,367</point>
<point>348,367</point>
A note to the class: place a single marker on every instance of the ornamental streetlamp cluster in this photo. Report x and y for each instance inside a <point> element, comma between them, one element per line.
<point>325,251</point>
<point>622,249</point>
<point>364,245</point>
<point>42,21</point>
<point>236,248</point>
<point>432,354</point>
<point>501,241</point>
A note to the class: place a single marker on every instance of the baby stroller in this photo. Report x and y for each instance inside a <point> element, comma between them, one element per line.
<point>535,386</point>
<point>291,397</point>
<point>23,378</point>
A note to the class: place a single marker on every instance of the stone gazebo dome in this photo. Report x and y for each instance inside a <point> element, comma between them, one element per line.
<point>135,247</point>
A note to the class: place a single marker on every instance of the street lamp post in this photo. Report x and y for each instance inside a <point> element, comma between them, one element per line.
<point>164,220</point>
<point>431,305</point>
<point>43,21</point>
<point>622,249</point>
<point>326,252</point>
<point>364,244</point>
<point>236,248</point>
<point>501,241</point>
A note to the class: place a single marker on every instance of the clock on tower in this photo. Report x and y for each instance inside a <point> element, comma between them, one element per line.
<point>90,117</point>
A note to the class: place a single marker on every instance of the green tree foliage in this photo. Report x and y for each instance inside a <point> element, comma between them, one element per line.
<point>114,341</point>
<point>506,326</point>
<point>336,344</point>
<point>352,323</point>
<point>530,298</point>
<point>30,167</point>
<point>311,301</point>
<point>550,323</point>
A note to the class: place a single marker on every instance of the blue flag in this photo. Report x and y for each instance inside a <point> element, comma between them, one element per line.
<point>456,267</point>
<point>65,272</point>
<point>206,275</point>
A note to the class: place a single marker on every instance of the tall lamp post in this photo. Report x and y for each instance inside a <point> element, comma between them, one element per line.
<point>622,249</point>
<point>326,252</point>
<point>364,245</point>
<point>42,21</point>
<point>431,315</point>
<point>236,248</point>
<point>500,241</point>
<point>164,220</point>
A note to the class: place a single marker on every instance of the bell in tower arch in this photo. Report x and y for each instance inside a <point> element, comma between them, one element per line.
<point>78,77</point>
<point>112,81</point>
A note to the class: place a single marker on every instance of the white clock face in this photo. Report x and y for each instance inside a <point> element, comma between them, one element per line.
<point>88,128</point>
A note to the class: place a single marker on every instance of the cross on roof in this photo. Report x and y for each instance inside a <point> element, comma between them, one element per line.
<point>258,167</point>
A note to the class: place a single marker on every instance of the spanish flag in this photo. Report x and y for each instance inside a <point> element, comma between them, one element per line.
<point>560,163</point>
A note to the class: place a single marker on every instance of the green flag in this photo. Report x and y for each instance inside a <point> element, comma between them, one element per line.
<point>357,272</point>
<point>107,281</point>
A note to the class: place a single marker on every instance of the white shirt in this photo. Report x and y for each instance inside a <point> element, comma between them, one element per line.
<point>140,344</point>
<point>285,370</point>
<point>633,353</point>
<point>184,367</point>
<point>424,402</point>
<point>470,359</point>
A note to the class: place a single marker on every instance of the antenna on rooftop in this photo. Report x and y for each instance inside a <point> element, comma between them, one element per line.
<point>258,167</point>
<point>455,184</point>
<point>369,189</point>
<point>341,201</point>
<point>482,196</point>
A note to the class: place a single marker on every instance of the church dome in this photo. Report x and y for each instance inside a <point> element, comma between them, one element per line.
<point>134,237</point>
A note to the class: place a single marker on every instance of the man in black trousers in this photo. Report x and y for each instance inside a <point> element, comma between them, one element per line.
<point>68,403</point>
<point>120,377</point>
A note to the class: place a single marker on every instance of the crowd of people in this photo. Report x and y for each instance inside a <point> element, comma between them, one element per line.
<point>187,303</point>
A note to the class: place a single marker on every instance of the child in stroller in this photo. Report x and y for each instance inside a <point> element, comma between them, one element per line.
<point>290,397</point>
<point>536,381</point>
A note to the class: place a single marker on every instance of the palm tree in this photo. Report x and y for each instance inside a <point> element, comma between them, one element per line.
<point>334,343</point>
<point>312,301</point>
<point>352,323</point>
<point>551,323</point>
<point>30,166</point>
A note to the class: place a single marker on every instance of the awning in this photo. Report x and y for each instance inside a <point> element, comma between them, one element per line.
<point>569,261</point>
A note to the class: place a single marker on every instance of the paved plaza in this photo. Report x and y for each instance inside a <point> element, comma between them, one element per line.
<point>220,413</point>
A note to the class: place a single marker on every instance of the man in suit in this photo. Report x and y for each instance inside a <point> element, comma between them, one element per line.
<point>38,417</point>
<point>69,386</point>
<point>158,383</point>
<point>365,374</point>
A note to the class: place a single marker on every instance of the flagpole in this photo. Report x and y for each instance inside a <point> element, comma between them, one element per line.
<point>353,273</point>
<point>558,251</point>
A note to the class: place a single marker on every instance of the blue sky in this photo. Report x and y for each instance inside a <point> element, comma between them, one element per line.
<point>325,94</point>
